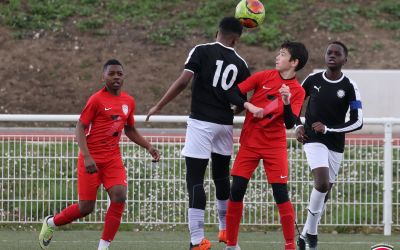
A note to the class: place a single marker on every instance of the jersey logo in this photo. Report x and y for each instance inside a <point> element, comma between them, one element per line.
<point>265,87</point>
<point>340,93</point>
<point>125,109</point>
<point>317,88</point>
<point>106,109</point>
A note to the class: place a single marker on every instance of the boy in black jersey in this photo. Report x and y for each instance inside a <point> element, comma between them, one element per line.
<point>331,94</point>
<point>215,68</point>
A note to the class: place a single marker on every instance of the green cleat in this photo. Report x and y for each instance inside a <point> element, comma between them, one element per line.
<point>46,234</point>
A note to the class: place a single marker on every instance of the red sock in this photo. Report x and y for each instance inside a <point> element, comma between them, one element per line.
<point>286,214</point>
<point>112,220</point>
<point>233,217</point>
<point>67,215</point>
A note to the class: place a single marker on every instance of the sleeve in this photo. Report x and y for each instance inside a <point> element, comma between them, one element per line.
<point>235,97</point>
<point>356,116</point>
<point>306,84</point>
<point>291,112</point>
<point>251,82</point>
<point>89,111</point>
<point>131,117</point>
<point>193,61</point>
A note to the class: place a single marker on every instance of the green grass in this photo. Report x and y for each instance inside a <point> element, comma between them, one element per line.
<point>10,240</point>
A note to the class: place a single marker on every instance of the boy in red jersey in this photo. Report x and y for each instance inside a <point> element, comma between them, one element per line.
<point>98,132</point>
<point>263,136</point>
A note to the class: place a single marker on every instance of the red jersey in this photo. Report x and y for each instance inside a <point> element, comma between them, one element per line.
<point>105,115</point>
<point>270,131</point>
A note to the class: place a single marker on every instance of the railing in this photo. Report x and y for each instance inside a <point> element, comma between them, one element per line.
<point>38,177</point>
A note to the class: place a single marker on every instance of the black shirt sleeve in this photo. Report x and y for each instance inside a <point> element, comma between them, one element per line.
<point>290,119</point>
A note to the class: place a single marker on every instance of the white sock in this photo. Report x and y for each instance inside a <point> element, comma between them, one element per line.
<point>222,205</point>
<point>196,225</point>
<point>314,210</point>
<point>50,222</point>
<point>320,215</point>
<point>103,243</point>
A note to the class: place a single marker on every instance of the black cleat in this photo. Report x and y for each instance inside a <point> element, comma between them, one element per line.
<point>312,241</point>
<point>301,242</point>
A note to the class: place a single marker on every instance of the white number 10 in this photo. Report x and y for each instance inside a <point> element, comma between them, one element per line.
<point>227,71</point>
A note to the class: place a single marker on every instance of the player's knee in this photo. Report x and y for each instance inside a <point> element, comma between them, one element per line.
<point>280,192</point>
<point>119,197</point>
<point>197,197</point>
<point>86,207</point>
<point>238,189</point>
<point>322,186</point>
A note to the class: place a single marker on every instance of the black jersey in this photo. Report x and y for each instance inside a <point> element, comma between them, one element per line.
<point>216,69</point>
<point>328,104</point>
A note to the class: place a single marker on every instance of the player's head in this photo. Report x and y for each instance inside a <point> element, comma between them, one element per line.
<point>113,75</point>
<point>291,55</point>
<point>336,55</point>
<point>229,31</point>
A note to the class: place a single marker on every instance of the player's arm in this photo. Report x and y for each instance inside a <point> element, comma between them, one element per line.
<point>289,117</point>
<point>80,135</point>
<point>356,116</point>
<point>236,95</point>
<point>136,137</point>
<point>175,89</point>
<point>300,132</point>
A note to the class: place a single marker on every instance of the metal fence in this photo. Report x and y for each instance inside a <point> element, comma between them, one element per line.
<point>38,177</point>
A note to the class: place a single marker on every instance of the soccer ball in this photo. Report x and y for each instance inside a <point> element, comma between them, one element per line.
<point>250,13</point>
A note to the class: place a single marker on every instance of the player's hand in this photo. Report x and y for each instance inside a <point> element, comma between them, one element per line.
<point>285,93</point>
<point>154,153</point>
<point>90,165</point>
<point>301,134</point>
<point>256,111</point>
<point>152,111</point>
<point>319,127</point>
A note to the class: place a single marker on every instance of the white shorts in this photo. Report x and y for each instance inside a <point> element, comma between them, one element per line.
<point>318,155</point>
<point>204,138</point>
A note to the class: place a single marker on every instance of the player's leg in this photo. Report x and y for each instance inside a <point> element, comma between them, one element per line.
<point>222,149</point>
<point>276,169</point>
<point>220,175</point>
<point>195,170</point>
<point>245,163</point>
<point>197,151</point>
<point>115,182</point>
<point>317,157</point>
<point>87,191</point>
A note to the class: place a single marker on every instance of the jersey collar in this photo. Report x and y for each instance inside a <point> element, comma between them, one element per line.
<point>336,81</point>
<point>225,46</point>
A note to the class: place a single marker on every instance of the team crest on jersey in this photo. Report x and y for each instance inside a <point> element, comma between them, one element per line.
<point>382,247</point>
<point>125,109</point>
<point>340,93</point>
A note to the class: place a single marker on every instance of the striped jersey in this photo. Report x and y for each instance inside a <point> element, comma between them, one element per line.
<point>216,69</point>
<point>328,104</point>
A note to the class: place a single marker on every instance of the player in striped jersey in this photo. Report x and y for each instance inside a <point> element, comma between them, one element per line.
<point>331,94</point>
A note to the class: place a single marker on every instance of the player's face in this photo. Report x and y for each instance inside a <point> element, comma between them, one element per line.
<point>282,60</point>
<point>113,76</point>
<point>335,57</point>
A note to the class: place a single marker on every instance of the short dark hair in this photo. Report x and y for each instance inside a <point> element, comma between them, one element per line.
<point>297,51</point>
<point>230,25</point>
<point>111,62</point>
<point>346,51</point>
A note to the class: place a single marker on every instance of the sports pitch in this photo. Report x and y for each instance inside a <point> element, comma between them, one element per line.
<point>11,240</point>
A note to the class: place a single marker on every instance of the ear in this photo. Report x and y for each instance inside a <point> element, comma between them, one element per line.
<point>294,63</point>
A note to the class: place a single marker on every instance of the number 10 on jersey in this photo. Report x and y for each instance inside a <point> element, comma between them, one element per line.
<point>225,74</point>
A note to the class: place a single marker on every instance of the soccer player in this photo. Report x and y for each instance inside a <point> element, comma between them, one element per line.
<point>331,94</point>
<point>263,137</point>
<point>98,132</point>
<point>215,68</point>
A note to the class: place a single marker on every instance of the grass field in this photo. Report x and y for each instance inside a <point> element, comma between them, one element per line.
<point>10,240</point>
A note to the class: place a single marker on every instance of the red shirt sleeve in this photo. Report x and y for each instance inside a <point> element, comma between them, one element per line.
<point>251,82</point>
<point>89,112</point>
<point>297,100</point>
<point>131,117</point>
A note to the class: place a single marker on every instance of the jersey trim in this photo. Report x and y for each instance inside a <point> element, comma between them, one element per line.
<point>331,81</point>
<point>189,70</point>
<point>205,44</point>
<point>312,74</point>
<point>359,122</point>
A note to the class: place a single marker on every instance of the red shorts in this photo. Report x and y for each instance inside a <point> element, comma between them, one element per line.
<point>275,163</point>
<point>110,173</point>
